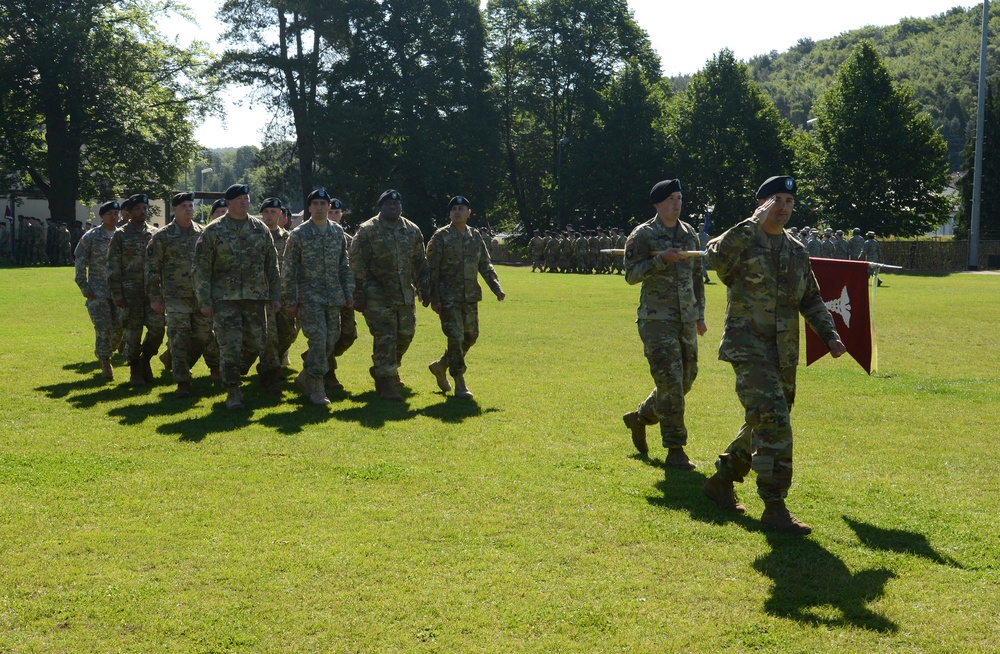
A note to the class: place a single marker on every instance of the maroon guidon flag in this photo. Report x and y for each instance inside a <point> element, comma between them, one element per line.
<point>844,288</point>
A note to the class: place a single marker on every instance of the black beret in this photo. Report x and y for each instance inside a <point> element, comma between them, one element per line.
<point>270,203</point>
<point>181,197</point>
<point>318,194</point>
<point>236,190</point>
<point>109,206</point>
<point>389,195</point>
<point>138,198</point>
<point>777,184</point>
<point>219,204</point>
<point>662,190</point>
<point>459,200</point>
<point>126,204</point>
<point>336,204</point>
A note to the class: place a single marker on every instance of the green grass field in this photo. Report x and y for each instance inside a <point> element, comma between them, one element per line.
<point>522,521</point>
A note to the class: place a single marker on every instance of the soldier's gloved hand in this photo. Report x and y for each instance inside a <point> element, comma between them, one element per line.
<point>837,347</point>
<point>157,306</point>
<point>500,296</point>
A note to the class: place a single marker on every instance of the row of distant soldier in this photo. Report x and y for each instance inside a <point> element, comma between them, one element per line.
<point>577,251</point>
<point>35,244</point>
<point>833,245</point>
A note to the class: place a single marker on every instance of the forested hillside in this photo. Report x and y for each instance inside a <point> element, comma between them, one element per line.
<point>937,57</point>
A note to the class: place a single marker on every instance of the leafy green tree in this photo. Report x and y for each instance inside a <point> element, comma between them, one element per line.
<point>407,107</point>
<point>728,138</point>
<point>989,210</point>
<point>553,62</point>
<point>882,164</point>
<point>92,102</point>
<point>283,50</point>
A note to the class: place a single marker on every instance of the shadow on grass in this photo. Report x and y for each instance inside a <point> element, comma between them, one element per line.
<point>100,391</point>
<point>898,540</point>
<point>811,585</point>
<point>454,410</point>
<point>682,492</point>
<point>814,587</point>
<point>219,421</point>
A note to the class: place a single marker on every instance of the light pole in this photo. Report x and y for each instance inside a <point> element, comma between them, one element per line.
<point>204,171</point>
<point>977,175</point>
<point>559,157</point>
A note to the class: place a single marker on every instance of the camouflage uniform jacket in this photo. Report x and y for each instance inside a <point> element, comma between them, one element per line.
<point>455,259</point>
<point>536,246</point>
<point>170,267</point>
<point>388,261</point>
<point>871,251</point>
<point>829,249</point>
<point>127,261</point>
<point>841,249</point>
<point>856,244</point>
<point>236,260</point>
<point>316,269</point>
<point>670,291</point>
<point>815,247</point>
<point>280,238</point>
<point>92,262</point>
<point>766,294</point>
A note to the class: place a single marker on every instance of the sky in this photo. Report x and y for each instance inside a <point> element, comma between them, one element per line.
<point>685,34</point>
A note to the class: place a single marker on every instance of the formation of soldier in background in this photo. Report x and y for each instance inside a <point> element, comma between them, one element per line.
<point>239,289</point>
<point>569,251</point>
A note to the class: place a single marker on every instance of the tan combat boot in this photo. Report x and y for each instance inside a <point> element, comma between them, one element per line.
<point>462,391</point>
<point>312,387</point>
<point>106,370</point>
<point>777,517</point>
<point>330,381</point>
<point>721,492</point>
<point>437,369</point>
<point>638,429</point>
<point>234,397</point>
<point>136,377</point>
<point>677,458</point>
<point>387,390</point>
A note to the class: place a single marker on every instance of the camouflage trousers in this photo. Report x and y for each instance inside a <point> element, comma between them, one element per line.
<point>321,327</point>
<point>671,348</point>
<point>460,323</point>
<point>348,334</point>
<point>136,315</point>
<point>392,327</point>
<point>282,330</point>
<point>240,330</point>
<point>189,336</point>
<point>107,326</point>
<point>764,442</point>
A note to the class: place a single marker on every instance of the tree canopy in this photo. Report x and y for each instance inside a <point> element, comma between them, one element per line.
<point>881,163</point>
<point>93,103</point>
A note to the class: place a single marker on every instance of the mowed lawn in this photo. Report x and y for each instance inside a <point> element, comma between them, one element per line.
<point>521,521</point>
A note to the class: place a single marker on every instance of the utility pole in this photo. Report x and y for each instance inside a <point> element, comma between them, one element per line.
<point>977,175</point>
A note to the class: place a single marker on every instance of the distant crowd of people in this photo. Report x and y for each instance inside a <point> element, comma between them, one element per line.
<point>583,252</point>
<point>34,243</point>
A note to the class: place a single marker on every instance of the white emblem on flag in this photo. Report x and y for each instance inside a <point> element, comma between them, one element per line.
<point>841,305</point>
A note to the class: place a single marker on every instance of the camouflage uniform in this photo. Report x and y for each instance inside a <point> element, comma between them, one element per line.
<point>348,323</point>
<point>389,264</point>
<point>815,246</point>
<point>127,280</point>
<point>828,248</point>
<point>317,279</point>
<point>236,273</point>
<point>282,329</point>
<point>671,302</point>
<point>92,276</point>
<point>4,242</point>
<point>582,247</point>
<point>842,250</point>
<point>703,239</point>
<point>536,247</point>
<point>170,280</point>
<point>619,244</point>
<point>770,282</point>
<point>454,259</point>
<point>855,245</point>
